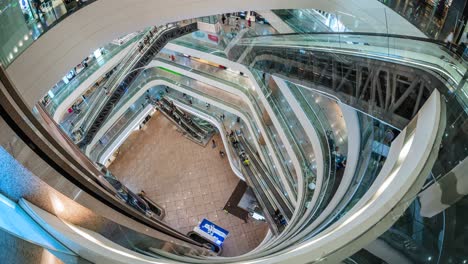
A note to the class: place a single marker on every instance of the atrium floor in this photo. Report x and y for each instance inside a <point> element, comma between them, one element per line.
<point>190,181</point>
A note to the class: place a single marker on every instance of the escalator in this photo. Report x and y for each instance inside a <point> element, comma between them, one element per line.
<point>276,210</point>
<point>279,197</point>
<point>131,69</point>
<point>269,209</point>
<point>200,126</point>
<point>139,201</point>
<point>184,122</point>
<point>362,80</point>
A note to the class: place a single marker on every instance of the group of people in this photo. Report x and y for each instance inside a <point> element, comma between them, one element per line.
<point>244,158</point>
<point>189,99</point>
<point>233,140</point>
<point>146,39</point>
<point>237,26</point>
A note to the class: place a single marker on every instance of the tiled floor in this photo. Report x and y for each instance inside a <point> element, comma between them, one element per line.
<point>190,181</point>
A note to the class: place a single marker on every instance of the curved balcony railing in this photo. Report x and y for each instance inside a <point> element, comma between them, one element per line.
<point>69,88</point>
<point>130,70</point>
<point>426,58</point>
<point>272,134</point>
<point>146,77</point>
<point>326,143</point>
<point>96,102</point>
<point>371,159</point>
<point>183,81</point>
<point>108,139</point>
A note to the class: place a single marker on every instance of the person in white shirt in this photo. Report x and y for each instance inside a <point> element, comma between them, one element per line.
<point>464,38</point>
<point>449,38</point>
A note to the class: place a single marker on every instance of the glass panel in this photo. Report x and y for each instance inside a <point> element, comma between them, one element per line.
<point>22,22</point>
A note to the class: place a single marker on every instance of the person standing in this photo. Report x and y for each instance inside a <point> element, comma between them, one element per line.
<point>249,22</point>
<point>449,38</point>
<point>223,19</point>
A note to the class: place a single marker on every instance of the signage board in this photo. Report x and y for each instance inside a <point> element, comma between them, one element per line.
<point>219,234</point>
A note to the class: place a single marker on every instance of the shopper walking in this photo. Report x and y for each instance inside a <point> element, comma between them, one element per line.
<point>249,22</point>
<point>213,143</point>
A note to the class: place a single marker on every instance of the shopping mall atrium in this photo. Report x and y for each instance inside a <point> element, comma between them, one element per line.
<point>209,131</point>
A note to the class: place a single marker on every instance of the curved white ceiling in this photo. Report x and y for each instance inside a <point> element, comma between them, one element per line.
<point>49,58</point>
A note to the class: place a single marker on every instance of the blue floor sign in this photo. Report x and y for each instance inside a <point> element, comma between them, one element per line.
<point>213,230</point>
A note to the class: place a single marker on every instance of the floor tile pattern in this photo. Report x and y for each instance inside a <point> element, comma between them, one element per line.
<point>190,181</point>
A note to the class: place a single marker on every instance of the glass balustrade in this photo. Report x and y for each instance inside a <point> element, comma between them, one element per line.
<point>66,90</point>
<point>244,85</point>
<point>305,20</point>
<point>86,118</point>
<point>117,128</point>
<point>428,55</point>
<point>22,23</point>
<point>156,73</point>
<point>326,142</point>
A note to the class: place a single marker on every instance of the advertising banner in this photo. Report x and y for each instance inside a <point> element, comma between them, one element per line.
<point>219,234</point>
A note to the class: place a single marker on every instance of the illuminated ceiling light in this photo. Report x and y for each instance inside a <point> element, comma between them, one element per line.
<point>26,37</point>
<point>20,43</point>
<point>15,49</point>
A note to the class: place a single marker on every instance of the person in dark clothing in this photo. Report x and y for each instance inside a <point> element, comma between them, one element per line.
<point>37,7</point>
<point>223,19</point>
